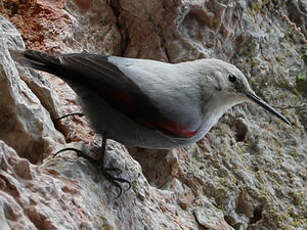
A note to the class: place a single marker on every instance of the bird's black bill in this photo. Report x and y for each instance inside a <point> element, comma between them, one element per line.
<point>264,105</point>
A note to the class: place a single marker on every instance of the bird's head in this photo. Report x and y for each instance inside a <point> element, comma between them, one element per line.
<point>232,87</point>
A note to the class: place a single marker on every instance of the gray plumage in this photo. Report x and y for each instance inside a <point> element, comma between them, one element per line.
<point>146,103</point>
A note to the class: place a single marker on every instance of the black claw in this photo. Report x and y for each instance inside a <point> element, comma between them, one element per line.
<point>68,115</point>
<point>116,181</point>
<point>117,171</point>
<point>68,149</point>
<point>117,185</point>
<point>79,154</point>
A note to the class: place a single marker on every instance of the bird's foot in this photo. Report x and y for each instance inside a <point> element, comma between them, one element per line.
<point>79,154</point>
<point>108,173</point>
<point>68,115</point>
<point>115,180</point>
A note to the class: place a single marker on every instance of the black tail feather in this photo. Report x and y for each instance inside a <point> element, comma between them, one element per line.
<point>38,60</point>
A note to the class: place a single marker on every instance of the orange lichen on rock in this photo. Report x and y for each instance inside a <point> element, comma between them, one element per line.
<point>38,21</point>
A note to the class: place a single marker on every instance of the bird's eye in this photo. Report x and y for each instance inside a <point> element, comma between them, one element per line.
<point>232,78</point>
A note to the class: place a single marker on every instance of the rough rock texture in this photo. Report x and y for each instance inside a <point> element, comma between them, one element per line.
<point>249,172</point>
<point>25,123</point>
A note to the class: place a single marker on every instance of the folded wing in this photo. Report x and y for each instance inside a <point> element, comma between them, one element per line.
<point>95,72</point>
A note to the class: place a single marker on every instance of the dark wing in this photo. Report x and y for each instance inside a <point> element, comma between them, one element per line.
<point>95,72</point>
<point>122,93</point>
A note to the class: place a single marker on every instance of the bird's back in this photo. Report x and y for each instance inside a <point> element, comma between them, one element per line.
<point>145,98</point>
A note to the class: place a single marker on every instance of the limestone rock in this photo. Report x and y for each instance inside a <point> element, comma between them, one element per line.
<point>249,172</point>
<point>25,123</point>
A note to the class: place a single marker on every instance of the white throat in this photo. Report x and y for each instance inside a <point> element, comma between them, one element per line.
<point>216,107</point>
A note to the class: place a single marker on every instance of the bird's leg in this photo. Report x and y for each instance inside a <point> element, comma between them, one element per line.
<point>117,181</point>
<point>68,115</point>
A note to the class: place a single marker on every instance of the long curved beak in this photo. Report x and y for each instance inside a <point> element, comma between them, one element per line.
<point>266,106</point>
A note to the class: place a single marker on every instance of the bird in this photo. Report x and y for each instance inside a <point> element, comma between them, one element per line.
<point>148,103</point>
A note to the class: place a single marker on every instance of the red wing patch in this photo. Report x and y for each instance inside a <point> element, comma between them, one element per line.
<point>145,115</point>
<point>167,127</point>
<point>178,130</point>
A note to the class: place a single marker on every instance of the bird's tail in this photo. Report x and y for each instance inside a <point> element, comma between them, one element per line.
<point>38,60</point>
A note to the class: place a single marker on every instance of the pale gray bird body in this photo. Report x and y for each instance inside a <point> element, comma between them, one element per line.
<point>147,103</point>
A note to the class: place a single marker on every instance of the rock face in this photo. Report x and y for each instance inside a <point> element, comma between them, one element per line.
<point>25,122</point>
<point>248,172</point>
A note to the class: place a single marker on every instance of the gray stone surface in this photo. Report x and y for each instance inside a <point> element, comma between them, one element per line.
<point>25,123</point>
<point>247,173</point>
